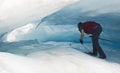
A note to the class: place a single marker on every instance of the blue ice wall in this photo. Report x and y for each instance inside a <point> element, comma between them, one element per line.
<point>61,26</point>
<point>71,15</point>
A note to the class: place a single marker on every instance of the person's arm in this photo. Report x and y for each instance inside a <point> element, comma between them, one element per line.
<point>82,34</point>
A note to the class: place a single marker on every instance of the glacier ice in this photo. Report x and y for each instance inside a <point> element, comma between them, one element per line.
<point>54,46</point>
<point>14,13</point>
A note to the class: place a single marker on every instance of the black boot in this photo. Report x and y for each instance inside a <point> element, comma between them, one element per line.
<point>102,57</point>
<point>92,54</point>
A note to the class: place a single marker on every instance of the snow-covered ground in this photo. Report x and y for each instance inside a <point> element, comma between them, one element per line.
<point>55,57</point>
<point>54,46</point>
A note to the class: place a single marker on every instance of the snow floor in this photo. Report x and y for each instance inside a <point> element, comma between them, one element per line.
<point>56,57</point>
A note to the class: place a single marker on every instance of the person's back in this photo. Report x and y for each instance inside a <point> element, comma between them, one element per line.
<point>90,26</point>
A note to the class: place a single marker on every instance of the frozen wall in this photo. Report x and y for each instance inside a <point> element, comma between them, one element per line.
<point>52,27</point>
<point>15,13</point>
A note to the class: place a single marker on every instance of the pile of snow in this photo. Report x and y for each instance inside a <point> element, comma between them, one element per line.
<point>59,58</point>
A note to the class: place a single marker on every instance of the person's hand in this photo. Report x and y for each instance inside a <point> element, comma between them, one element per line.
<point>81,41</point>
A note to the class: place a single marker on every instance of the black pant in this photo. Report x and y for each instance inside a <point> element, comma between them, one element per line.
<point>96,46</point>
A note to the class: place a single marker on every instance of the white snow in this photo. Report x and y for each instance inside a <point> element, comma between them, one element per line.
<point>16,13</point>
<point>60,58</point>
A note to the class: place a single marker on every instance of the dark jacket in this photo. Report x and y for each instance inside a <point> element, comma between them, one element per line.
<point>89,26</point>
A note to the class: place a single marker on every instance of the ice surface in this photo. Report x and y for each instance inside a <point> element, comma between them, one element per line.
<point>55,57</point>
<point>44,32</point>
<point>54,46</point>
<point>17,13</point>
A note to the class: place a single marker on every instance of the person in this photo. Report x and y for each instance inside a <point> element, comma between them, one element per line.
<point>95,29</point>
